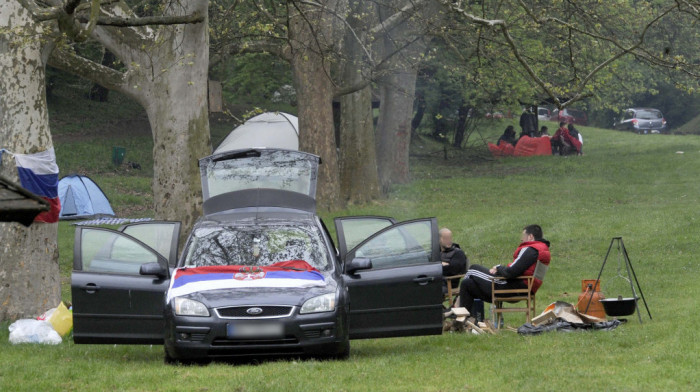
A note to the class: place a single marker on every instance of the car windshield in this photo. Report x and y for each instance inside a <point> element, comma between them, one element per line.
<point>649,114</point>
<point>257,245</point>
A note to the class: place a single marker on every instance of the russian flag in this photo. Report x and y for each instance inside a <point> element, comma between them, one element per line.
<point>293,273</point>
<point>38,173</point>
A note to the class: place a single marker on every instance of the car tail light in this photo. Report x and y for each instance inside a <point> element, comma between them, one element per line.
<point>663,121</point>
<point>634,121</point>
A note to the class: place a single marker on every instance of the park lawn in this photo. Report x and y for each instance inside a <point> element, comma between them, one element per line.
<point>637,187</point>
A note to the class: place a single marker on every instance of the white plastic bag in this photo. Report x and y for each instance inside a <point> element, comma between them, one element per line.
<point>33,331</point>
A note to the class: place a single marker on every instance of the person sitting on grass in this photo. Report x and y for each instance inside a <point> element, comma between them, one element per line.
<point>563,143</point>
<point>577,135</point>
<point>477,283</point>
<point>508,136</point>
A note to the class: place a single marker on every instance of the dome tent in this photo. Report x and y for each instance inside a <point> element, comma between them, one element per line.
<point>82,198</point>
<point>271,130</point>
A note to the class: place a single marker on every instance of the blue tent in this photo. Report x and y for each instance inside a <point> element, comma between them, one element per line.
<point>82,198</point>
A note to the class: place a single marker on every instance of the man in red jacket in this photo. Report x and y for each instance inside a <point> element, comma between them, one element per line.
<point>563,142</point>
<point>477,283</point>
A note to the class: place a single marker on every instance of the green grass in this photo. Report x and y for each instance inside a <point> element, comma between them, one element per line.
<point>633,186</point>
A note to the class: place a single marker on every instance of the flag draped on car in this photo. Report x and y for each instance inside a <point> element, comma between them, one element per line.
<point>38,173</point>
<point>293,273</point>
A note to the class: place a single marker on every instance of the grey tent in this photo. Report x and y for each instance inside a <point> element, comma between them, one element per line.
<point>82,198</point>
<point>270,130</point>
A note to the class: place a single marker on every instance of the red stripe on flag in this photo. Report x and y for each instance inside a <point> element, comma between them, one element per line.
<point>50,216</point>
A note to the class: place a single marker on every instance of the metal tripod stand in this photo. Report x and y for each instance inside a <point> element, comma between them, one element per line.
<point>628,264</point>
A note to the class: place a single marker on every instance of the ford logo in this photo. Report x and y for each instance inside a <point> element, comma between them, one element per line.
<point>254,311</point>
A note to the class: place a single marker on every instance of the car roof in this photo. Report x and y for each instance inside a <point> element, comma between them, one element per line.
<point>637,109</point>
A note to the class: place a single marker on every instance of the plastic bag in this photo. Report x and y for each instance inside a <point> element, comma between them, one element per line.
<point>61,319</point>
<point>33,331</point>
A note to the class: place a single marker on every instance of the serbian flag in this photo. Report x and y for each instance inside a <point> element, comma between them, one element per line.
<point>293,273</point>
<point>38,173</point>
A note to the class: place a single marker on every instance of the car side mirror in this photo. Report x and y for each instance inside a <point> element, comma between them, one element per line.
<point>360,263</point>
<point>153,269</point>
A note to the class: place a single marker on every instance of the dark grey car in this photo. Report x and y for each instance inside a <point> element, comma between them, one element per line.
<point>233,293</point>
<point>641,120</point>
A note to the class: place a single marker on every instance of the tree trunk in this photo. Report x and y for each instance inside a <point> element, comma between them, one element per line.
<point>463,115</point>
<point>309,36</point>
<point>29,274</point>
<point>394,127</point>
<point>420,106</point>
<point>98,92</point>
<point>397,90</point>
<point>359,181</point>
<point>177,108</point>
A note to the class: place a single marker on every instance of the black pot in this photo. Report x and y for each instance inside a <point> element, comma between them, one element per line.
<point>619,306</point>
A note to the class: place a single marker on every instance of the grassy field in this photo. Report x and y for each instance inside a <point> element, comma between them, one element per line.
<point>638,187</point>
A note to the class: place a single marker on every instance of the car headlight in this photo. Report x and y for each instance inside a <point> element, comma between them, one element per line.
<point>322,303</point>
<point>188,307</point>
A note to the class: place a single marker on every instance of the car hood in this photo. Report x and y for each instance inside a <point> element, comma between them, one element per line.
<point>294,296</point>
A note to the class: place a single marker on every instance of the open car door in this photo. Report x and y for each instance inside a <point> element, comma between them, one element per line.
<point>401,294</point>
<point>351,230</point>
<point>162,236</point>
<point>118,285</point>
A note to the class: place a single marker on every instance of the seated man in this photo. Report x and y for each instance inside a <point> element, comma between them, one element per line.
<point>477,282</point>
<point>563,143</point>
<point>454,261</point>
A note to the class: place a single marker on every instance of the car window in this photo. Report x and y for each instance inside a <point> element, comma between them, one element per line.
<point>158,236</point>
<point>357,230</point>
<point>283,170</point>
<point>110,252</point>
<point>628,115</point>
<point>649,114</point>
<point>257,245</point>
<point>403,245</point>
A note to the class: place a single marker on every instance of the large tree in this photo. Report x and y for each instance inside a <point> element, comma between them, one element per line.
<point>333,53</point>
<point>166,71</point>
<point>165,58</point>
<point>29,276</point>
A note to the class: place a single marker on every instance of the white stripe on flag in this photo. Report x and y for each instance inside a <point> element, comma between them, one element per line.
<point>194,287</point>
<point>40,163</point>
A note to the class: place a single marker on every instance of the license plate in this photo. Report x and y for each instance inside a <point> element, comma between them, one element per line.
<point>254,330</point>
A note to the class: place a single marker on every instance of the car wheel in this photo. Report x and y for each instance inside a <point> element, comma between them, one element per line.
<point>344,354</point>
<point>167,359</point>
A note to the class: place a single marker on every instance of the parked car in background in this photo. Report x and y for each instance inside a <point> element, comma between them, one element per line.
<point>569,116</point>
<point>543,114</point>
<point>259,274</point>
<point>641,120</point>
<point>498,114</point>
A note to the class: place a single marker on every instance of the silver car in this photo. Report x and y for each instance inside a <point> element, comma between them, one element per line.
<point>641,120</point>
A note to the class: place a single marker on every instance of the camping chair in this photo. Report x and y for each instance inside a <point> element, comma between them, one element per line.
<point>452,291</point>
<point>501,296</point>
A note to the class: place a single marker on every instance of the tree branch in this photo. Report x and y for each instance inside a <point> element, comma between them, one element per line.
<point>115,21</point>
<point>398,17</point>
<point>278,49</point>
<point>40,14</point>
<point>65,59</point>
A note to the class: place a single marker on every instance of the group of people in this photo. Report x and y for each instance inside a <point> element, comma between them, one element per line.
<point>566,141</point>
<point>476,284</point>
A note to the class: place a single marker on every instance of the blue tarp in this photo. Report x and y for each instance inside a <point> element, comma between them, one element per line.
<point>82,198</point>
